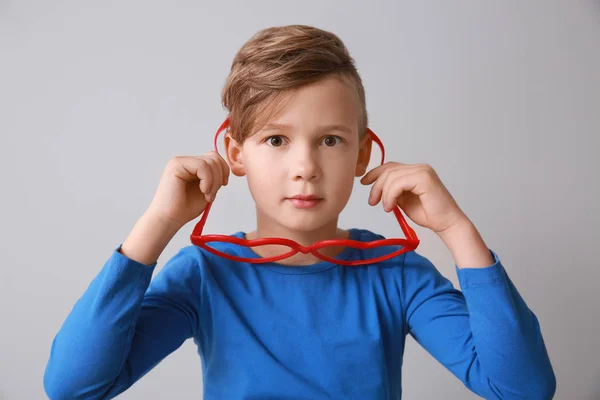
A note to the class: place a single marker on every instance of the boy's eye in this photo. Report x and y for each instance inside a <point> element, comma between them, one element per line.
<point>278,140</point>
<point>331,141</point>
<point>275,141</point>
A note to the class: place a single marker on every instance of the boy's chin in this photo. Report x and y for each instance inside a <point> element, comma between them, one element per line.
<point>304,223</point>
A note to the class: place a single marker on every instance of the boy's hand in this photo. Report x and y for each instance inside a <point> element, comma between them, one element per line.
<point>187,185</point>
<point>419,192</point>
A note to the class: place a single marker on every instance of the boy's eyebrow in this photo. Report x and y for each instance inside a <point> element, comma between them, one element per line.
<point>325,128</point>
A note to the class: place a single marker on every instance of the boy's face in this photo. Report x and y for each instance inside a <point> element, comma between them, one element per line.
<point>312,147</point>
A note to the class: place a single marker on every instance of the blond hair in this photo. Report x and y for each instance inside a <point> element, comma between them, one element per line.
<point>273,63</point>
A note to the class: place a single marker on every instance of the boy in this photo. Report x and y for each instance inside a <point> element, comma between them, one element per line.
<point>301,327</point>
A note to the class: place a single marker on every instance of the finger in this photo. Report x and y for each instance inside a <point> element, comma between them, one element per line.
<point>377,188</point>
<point>225,169</point>
<point>398,186</point>
<point>376,172</point>
<point>385,180</point>
<point>183,168</point>
<point>204,174</point>
<point>194,170</point>
<point>223,166</point>
<point>373,174</point>
<point>217,179</point>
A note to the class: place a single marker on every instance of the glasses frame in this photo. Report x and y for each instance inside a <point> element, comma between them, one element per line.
<point>409,243</point>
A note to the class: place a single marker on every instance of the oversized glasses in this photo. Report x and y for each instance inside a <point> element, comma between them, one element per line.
<point>291,247</point>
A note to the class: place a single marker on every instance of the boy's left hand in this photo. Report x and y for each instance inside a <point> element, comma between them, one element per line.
<point>419,192</point>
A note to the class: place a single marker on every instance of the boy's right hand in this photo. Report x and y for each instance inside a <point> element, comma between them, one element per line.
<point>187,185</point>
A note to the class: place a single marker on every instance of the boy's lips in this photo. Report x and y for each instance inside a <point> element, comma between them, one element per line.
<point>305,201</point>
<point>305,197</point>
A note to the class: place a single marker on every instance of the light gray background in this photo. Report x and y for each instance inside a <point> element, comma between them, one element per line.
<point>501,98</point>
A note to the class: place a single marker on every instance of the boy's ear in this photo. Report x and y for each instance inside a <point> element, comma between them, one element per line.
<point>233,152</point>
<point>364,154</point>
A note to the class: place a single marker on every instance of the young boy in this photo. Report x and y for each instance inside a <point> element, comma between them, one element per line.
<point>301,327</point>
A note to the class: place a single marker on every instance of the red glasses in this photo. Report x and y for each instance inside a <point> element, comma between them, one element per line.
<point>291,247</point>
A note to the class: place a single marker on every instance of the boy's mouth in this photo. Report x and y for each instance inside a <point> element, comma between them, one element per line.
<point>305,201</point>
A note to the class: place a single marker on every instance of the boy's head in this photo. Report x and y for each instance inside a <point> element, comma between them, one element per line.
<point>298,124</point>
<point>275,62</point>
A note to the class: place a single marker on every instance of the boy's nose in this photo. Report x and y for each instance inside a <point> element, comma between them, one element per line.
<point>305,165</point>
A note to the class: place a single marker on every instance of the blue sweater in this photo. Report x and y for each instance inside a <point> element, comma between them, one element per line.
<point>321,331</point>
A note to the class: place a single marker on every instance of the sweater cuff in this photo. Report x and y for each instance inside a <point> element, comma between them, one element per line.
<point>493,274</point>
<point>134,269</point>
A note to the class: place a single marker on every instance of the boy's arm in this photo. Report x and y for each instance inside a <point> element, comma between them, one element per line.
<point>486,335</point>
<point>148,239</point>
<point>125,324</point>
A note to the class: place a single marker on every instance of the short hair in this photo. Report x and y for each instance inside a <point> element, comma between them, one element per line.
<point>277,60</point>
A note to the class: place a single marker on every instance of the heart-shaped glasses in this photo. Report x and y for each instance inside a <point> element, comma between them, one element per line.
<point>291,247</point>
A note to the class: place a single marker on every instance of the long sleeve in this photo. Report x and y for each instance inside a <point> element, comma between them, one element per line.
<point>123,325</point>
<point>485,335</point>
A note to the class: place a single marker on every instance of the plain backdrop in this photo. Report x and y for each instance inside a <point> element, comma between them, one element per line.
<point>502,98</point>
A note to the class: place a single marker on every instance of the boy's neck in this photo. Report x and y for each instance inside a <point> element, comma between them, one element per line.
<point>304,238</point>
